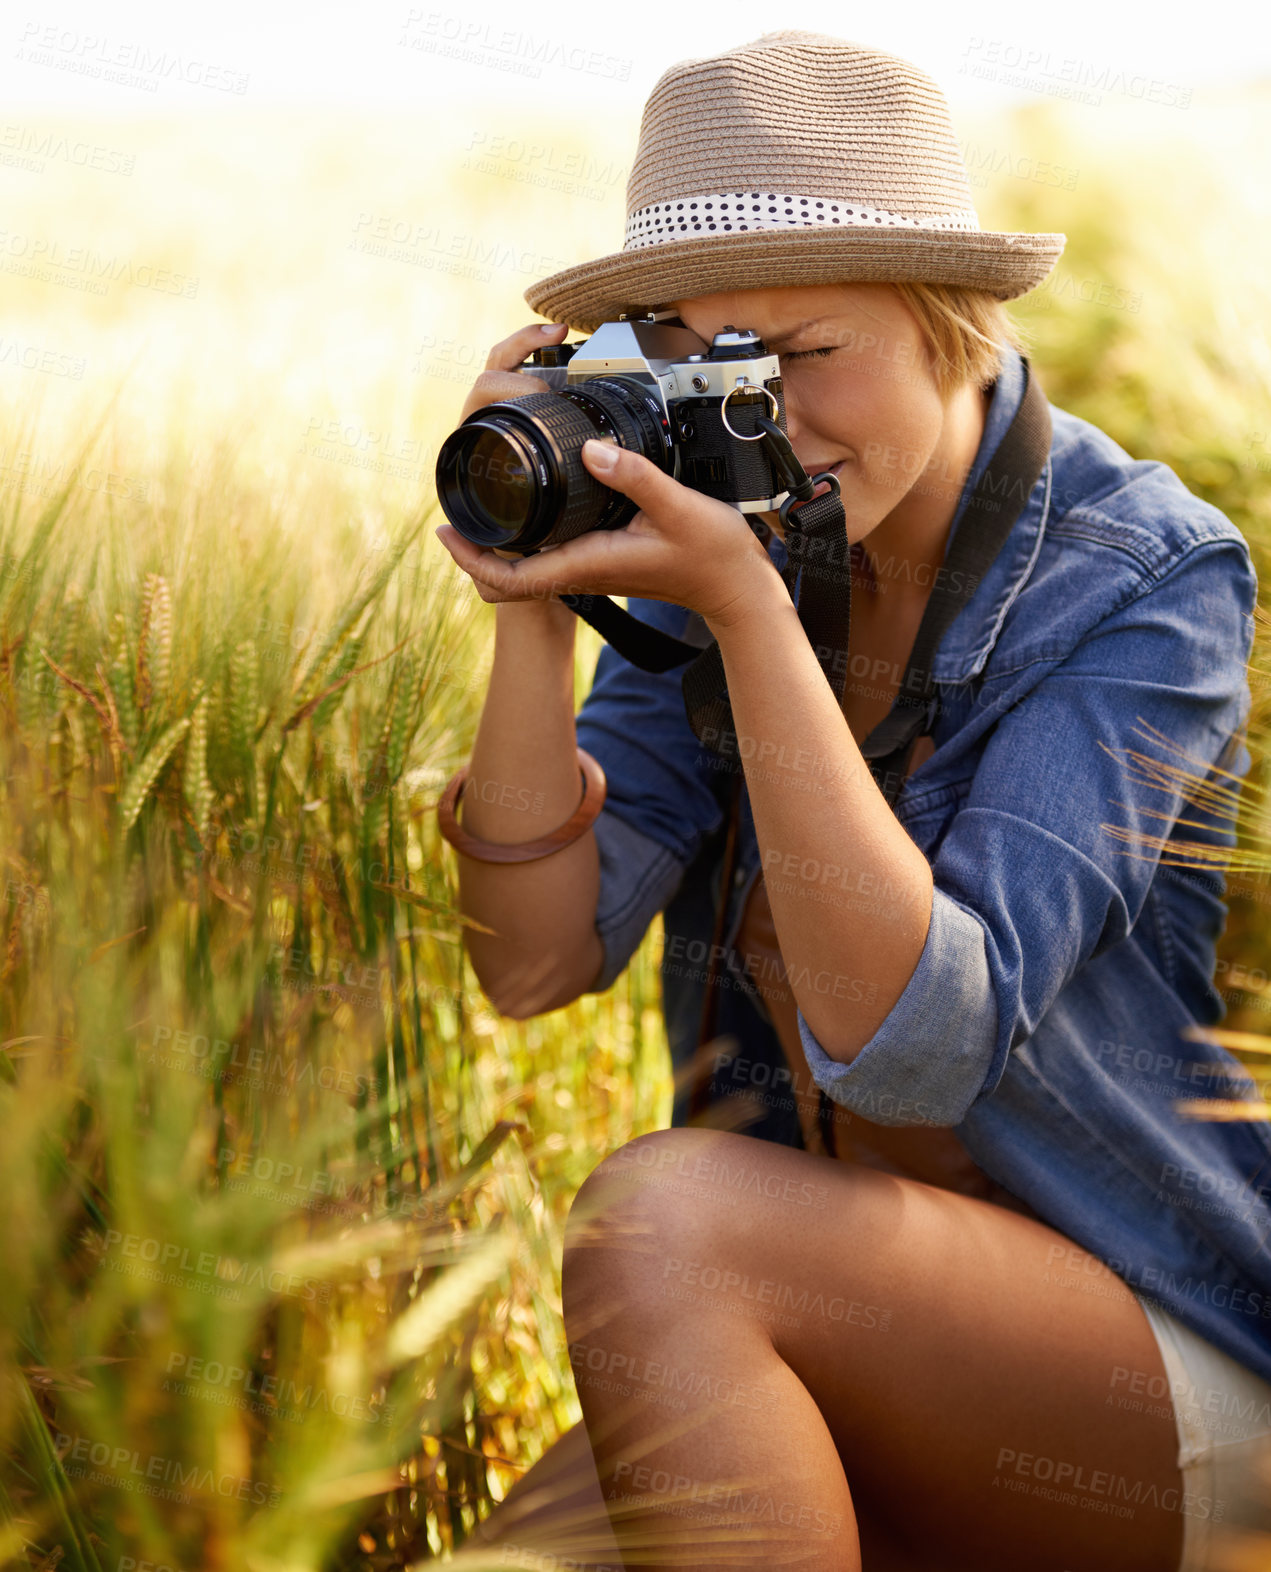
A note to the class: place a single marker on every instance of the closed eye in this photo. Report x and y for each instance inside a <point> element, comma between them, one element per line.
<point>809,354</point>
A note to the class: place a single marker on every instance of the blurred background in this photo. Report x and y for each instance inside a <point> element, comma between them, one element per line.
<point>250,261</point>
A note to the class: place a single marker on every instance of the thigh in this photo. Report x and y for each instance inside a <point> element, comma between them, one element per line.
<point>965,1358</point>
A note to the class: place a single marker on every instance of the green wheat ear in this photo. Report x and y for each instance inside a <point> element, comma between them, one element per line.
<point>30,707</point>
<point>154,645</point>
<point>349,657</point>
<point>142,780</point>
<point>121,687</point>
<point>244,701</point>
<point>404,718</point>
<point>195,784</point>
<point>72,632</point>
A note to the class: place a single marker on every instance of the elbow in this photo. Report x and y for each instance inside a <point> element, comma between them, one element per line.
<point>525,1006</point>
<point>501,990</point>
<point>512,1000</point>
<point>838,1045</point>
<point>511,1006</point>
<point>512,1009</point>
<point>512,981</point>
<point>519,993</point>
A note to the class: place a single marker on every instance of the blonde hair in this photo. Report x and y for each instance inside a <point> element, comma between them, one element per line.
<point>964,329</point>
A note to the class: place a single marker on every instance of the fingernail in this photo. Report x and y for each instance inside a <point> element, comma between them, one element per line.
<point>548,328</point>
<point>601,455</point>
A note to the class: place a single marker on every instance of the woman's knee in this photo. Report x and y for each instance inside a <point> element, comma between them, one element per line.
<point>643,1203</point>
<point>693,1195</point>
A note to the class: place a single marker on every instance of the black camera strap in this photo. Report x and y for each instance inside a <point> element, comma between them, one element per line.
<point>990,514</point>
<point>818,558</point>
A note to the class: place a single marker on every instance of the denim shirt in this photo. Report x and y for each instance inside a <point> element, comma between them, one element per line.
<point>1045,1022</point>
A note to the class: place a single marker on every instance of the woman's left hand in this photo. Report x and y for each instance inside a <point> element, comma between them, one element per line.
<point>682,547</point>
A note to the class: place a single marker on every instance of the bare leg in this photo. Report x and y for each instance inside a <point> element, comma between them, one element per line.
<point>556,1517</point>
<point>555,1514</point>
<point>764,1342</point>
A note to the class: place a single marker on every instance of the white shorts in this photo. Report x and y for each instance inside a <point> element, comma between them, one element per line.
<point>1223,1413</point>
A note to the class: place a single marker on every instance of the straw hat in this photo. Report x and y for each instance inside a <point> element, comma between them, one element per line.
<point>796,159</point>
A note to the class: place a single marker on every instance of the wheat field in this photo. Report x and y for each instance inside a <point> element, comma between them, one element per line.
<point>285,1196</point>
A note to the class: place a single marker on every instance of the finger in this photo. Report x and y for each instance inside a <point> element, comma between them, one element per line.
<point>577,567</point>
<point>500,379</point>
<point>491,386</point>
<point>464,551</point>
<point>649,487</point>
<point>489,570</point>
<point>509,354</point>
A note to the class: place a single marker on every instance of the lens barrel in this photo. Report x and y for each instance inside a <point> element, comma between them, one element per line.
<point>512,476</point>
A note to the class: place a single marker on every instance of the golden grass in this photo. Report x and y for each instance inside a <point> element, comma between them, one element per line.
<point>235,670</point>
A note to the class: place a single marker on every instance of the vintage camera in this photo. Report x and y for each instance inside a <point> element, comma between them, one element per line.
<point>512,476</point>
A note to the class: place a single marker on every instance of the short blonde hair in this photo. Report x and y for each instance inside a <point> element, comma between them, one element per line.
<point>965,330</point>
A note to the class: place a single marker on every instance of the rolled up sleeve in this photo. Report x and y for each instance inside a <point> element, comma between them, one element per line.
<point>638,876</point>
<point>1029,885</point>
<point>949,1006</point>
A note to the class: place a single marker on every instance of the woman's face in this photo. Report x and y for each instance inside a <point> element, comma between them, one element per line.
<point>861,399</point>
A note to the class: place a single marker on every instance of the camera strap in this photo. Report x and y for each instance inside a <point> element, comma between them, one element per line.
<point>819,564</point>
<point>988,519</point>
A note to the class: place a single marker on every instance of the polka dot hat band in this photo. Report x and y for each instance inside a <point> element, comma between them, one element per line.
<point>796,159</point>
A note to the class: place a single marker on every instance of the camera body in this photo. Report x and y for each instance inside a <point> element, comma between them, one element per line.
<point>690,382</point>
<point>512,476</point>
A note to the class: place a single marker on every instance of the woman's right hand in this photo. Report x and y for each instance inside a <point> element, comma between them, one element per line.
<point>500,379</point>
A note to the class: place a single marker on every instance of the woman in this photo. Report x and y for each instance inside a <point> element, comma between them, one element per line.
<point>1014,1327</point>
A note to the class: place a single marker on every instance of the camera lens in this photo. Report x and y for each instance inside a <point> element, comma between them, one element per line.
<point>497,482</point>
<point>512,475</point>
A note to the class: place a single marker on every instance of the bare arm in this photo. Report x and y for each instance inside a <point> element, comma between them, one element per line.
<point>524,782</point>
<point>829,854</point>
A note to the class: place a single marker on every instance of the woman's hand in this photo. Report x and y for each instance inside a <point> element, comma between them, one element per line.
<point>682,547</point>
<point>501,379</point>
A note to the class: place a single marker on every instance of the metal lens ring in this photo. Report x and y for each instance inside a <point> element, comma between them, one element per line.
<point>748,387</point>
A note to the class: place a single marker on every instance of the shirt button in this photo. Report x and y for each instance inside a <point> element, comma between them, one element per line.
<point>739,878</point>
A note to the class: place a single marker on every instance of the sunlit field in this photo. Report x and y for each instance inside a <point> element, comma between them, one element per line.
<point>285,1198</point>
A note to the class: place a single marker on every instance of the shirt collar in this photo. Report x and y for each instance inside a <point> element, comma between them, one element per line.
<point>967,643</point>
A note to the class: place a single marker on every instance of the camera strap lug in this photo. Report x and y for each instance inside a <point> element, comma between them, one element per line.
<point>781,452</point>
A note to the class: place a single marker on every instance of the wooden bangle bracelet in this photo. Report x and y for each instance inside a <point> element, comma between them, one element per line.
<point>527,851</point>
